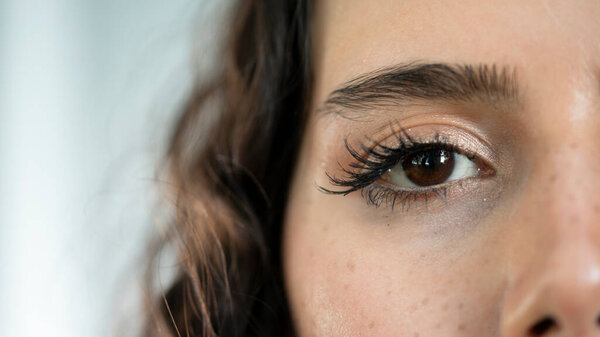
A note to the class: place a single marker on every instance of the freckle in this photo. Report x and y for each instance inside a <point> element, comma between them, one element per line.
<point>422,255</point>
<point>450,281</point>
<point>573,145</point>
<point>439,325</point>
<point>346,286</point>
<point>553,178</point>
<point>416,334</point>
<point>387,225</point>
<point>389,292</point>
<point>445,307</point>
<point>425,301</point>
<point>462,327</point>
<point>460,306</point>
<point>350,266</point>
<point>371,325</point>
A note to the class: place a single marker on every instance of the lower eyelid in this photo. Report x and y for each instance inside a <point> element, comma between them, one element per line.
<point>408,198</point>
<point>380,195</point>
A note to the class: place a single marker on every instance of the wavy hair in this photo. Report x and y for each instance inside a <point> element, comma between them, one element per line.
<point>229,164</point>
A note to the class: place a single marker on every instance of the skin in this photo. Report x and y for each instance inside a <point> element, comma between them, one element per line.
<point>499,254</point>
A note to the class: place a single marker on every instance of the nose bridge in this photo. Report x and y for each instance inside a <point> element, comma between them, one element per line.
<point>571,197</point>
<point>555,284</point>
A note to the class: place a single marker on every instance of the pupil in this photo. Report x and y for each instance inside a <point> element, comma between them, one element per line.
<point>429,167</point>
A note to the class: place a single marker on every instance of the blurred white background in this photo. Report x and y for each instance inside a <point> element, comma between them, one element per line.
<point>88,91</point>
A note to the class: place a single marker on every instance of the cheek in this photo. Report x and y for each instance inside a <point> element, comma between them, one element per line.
<point>346,278</point>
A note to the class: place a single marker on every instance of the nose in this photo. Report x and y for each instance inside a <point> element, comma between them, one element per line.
<point>556,300</point>
<point>554,283</point>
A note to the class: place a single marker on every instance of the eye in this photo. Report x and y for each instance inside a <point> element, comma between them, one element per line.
<point>409,171</point>
<point>430,167</point>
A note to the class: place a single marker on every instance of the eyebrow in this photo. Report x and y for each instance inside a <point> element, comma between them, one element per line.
<point>415,82</point>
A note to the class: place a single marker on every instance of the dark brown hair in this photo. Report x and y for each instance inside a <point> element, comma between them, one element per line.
<point>229,165</point>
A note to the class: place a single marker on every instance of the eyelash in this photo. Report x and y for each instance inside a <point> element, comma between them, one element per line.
<point>366,169</point>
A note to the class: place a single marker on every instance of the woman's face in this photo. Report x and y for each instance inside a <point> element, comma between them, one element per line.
<point>471,171</point>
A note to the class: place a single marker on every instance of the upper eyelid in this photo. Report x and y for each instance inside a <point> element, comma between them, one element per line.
<point>415,145</point>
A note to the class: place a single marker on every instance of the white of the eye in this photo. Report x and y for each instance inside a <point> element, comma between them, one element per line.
<point>463,168</point>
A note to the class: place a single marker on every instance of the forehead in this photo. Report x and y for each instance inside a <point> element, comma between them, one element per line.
<point>356,36</point>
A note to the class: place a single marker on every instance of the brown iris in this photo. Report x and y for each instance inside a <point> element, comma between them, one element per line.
<point>429,167</point>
